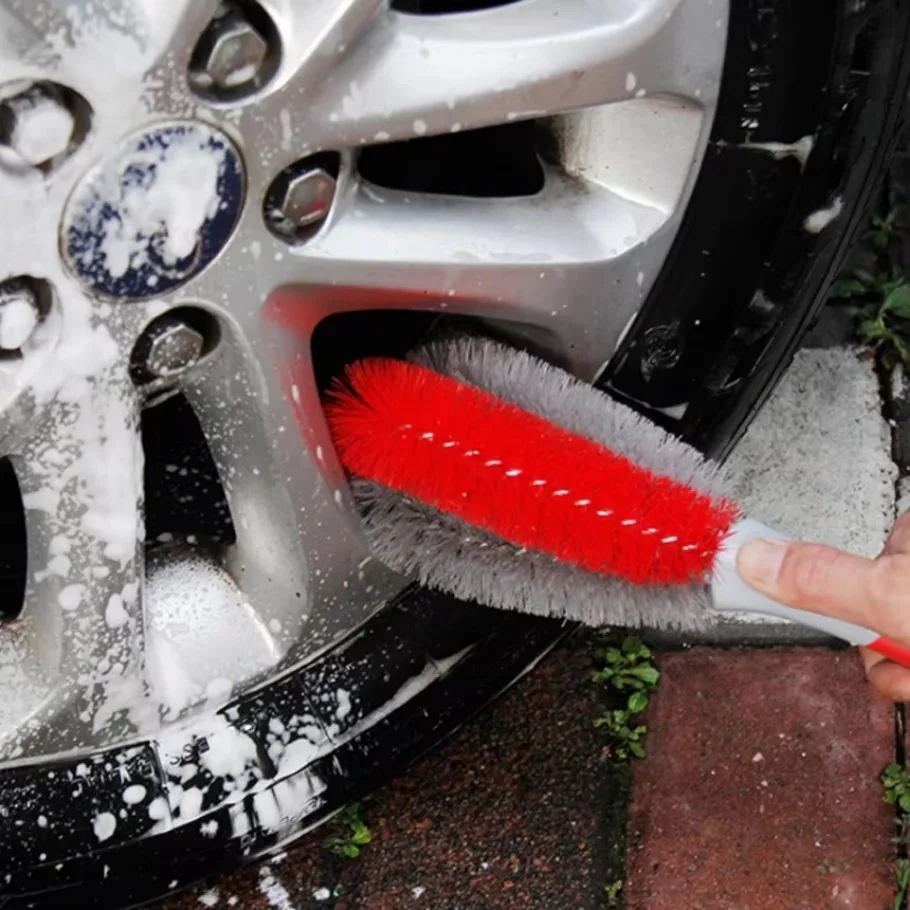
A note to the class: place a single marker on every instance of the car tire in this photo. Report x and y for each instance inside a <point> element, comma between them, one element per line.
<point>767,227</point>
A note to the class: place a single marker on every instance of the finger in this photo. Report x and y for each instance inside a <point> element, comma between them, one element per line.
<point>870,658</point>
<point>874,594</point>
<point>889,679</point>
<point>899,539</point>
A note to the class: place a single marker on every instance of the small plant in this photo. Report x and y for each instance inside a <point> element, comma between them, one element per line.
<point>613,895</point>
<point>863,284</point>
<point>353,833</point>
<point>624,732</point>
<point>884,230</point>
<point>881,294</point>
<point>883,315</point>
<point>626,669</point>
<point>896,781</point>
<point>903,884</point>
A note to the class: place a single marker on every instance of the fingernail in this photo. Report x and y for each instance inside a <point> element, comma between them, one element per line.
<point>759,561</point>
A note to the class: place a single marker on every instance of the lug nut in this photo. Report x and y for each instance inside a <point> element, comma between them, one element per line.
<point>231,53</point>
<point>174,348</point>
<point>307,199</point>
<point>19,314</point>
<point>173,345</point>
<point>36,124</point>
<point>299,199</point>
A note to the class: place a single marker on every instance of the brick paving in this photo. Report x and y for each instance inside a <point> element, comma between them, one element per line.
<point>517,811</point>
<point>760,791</point>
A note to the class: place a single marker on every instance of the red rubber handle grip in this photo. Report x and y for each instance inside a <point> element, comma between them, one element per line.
<point>893,651</point>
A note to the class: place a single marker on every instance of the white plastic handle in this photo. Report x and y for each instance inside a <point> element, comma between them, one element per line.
<point>731,594</point>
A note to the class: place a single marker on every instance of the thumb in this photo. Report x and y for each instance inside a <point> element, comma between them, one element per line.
<point>870,593</point>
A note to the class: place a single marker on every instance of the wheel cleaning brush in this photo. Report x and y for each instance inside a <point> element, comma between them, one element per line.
<point>499,478</point>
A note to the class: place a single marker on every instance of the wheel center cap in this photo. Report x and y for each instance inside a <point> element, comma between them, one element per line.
<point>156,213</point>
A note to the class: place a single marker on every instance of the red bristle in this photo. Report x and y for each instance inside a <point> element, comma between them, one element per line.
<point>503,469</point>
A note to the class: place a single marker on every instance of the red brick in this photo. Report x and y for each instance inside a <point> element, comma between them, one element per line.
<point>760,790</point>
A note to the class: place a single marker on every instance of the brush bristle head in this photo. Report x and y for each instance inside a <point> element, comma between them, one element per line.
<point>518,479</point>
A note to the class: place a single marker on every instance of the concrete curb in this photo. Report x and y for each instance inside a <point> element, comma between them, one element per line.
<point>817,464</point>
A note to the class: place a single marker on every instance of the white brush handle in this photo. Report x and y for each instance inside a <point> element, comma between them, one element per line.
<point>731,594</point>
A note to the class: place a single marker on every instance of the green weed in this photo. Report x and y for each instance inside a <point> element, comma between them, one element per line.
<point>884,230</point>
<point>883,310</point>
<point>613,895</point>
<point>624,733</point>
<point>903,884</point>
<point>880,293</point>
<point>353,833</point>
<point>896,783</point>
<point>627,669</point>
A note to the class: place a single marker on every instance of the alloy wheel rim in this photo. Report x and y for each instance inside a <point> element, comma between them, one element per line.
<point>625,95</point>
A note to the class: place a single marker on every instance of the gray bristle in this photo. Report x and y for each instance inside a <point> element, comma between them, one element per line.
<point>443,552</point>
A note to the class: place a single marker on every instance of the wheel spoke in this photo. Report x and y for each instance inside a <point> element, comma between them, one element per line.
<point>299,557</point>
<point>80,475</point>
<point>566,223</point>
<point>317,34</point>
<point>422,75</point>
<point>545,262</point>
<point>564,267</point>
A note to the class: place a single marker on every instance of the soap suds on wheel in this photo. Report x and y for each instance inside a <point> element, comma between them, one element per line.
<point>105,824</point>
<point>201,631</point>
<point>155,200</point>
<point>820,219</point>
<point>800,150</point>
<point>18,319</point>
<point>134,794</point>
<point>42,129</point>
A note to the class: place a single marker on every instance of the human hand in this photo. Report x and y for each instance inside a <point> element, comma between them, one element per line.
<point>873,593</point>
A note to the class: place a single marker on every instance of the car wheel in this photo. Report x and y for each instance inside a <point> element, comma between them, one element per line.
<point>211,208</point>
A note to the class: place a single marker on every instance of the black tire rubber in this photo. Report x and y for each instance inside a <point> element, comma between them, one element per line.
<point>744,278</point>
<point>739,289</point>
